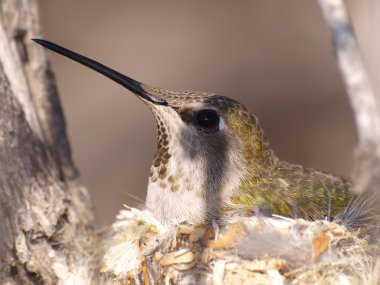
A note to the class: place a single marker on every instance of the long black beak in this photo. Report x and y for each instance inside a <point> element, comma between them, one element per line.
<point>123,80</point>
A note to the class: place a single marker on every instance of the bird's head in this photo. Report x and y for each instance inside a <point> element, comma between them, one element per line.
<point>206,126</point>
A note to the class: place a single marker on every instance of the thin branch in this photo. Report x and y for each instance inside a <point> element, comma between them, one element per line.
<point>366,111</point>
<point>355,77</point>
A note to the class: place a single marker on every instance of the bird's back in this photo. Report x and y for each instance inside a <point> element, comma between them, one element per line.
<point>294,191</point>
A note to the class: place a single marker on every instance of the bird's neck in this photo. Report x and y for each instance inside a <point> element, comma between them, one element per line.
<point>197,190</point>
<point>194,183</point>
<point>255,152</point>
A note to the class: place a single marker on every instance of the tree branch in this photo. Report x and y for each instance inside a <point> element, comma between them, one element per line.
<point>363,100</point>
<point>46,216</point>
<point>351,66</point>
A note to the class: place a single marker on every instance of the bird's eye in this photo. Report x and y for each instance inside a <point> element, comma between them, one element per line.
<point>207,119</point>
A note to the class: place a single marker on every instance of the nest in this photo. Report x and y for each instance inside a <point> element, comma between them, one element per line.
<point>247,250</point>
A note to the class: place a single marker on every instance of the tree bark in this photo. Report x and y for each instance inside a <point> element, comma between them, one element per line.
<point>46,216</point>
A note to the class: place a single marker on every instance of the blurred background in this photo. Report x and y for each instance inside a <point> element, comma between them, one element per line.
<point>273,56</point>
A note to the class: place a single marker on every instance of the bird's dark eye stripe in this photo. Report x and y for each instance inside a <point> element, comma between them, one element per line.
<point>207,119</point>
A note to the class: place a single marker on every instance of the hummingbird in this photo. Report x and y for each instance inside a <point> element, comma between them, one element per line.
<point>214,161</point>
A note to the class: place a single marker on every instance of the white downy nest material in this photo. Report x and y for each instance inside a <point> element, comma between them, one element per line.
<point>248,250</point>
